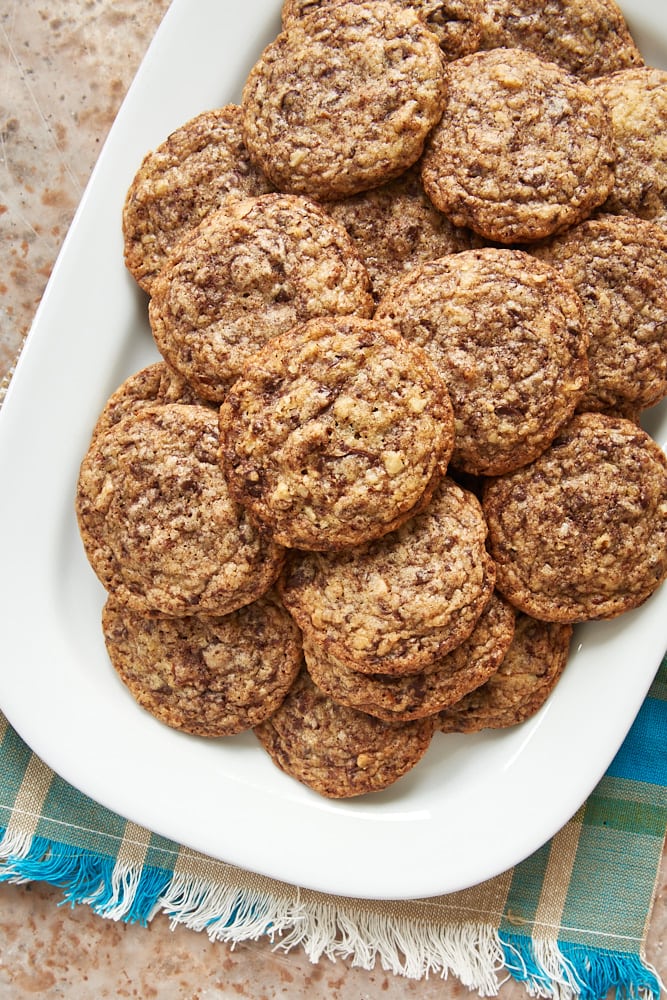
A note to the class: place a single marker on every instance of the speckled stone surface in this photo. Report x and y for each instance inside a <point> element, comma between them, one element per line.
<point>64,69</point>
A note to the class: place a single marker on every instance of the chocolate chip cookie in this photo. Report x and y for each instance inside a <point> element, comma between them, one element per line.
<point>581,533</point>
<point>334,432</point>
<point>207,675</point>
<point>248,273</point>
<point>523,149</point>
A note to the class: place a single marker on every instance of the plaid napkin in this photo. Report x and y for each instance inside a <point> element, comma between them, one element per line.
<point>570,921</point>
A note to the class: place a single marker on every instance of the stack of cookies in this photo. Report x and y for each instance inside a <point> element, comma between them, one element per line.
<point>410,301</point>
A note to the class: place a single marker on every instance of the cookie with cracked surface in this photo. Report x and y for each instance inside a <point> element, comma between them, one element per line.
<point>396,226</point>
<point>334,432</point>
<point>336,750</point>
<point>158,524</point>
<point>586,37</point>
<point>523,149</point>
<point>510,341</point>
<point>581,533</point>
<point>345,101</point>
<point>189,175</point>
<point>415,696</point>
<point>637,103</point>
<point>397,604</point>
<point>456,23</point>
<point>526,677</point>
<point>618,266</point>
<point>207,675</point>
<point>250,271</point>
<point>155,383</point>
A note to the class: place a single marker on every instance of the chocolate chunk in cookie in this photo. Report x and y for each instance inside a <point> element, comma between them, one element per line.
<point>338,751</point>
<point>526,677</point>
<point>157,521</point>
<point>334,432</point>
<point>510,341</point>
<point>207,675</point>
<point>523,149</point>
<point>343,100</point>
<point>618,266</point>
<point>248,273</point>
<point>189,175</point>
<point>397,604</point>
<point>581,532</point>
<point>414,696</point>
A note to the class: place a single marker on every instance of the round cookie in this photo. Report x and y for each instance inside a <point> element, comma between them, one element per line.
<point>343,100</point>
<point>456,23</point>
<point>637,103</point>
<point>210,675</point>
<point>581,533</point>
<point>415,696</point>
<point>399,603</point>
<point>618,266</point>
<point>157,522</point>
<point>334,432</point>
<point>527,675</point>
<point>396,226</point>
<point>586,37</point>
<point>508,336</point>
<point>249,272</point>
<point>336,750</point>
<point>155,383</point>
<point>523,149</point>
<point>189,175</point>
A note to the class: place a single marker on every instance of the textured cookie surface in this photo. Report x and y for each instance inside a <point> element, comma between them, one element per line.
<point>637,102</point>
<point>395,227</point>
<point>157,521</point>
<point>523,149</point>
<point>189,175</point>
<point>586,37</point>
<point>456,23</point>
<point>581,532</point>
<point>415,696</point>
<point>338,751</point>
<point>334,432</point>
<point>343,100</point>
<point>618,266</point>
<point>398,603</point>
<point>526,677</point>
<point>250,272</point>
<point>510,342</point>
<point>210,676</point>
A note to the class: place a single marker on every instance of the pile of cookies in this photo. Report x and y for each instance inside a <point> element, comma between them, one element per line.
<point>410,298</point>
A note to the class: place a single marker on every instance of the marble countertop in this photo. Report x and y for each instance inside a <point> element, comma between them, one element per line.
<point>65,68</point>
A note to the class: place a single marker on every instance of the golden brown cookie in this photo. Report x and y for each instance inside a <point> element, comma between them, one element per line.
<point>618,266</point>
<point>249,272</point>
<point>637,103</point>
<point>338,751</point>
<point>334,432</point>
<point>395,227</point>
<point>207,675</point>
<point>523,149</point>
<point>456,23</point>
<point>345,101</point>
<point>510,341</point>
<point>581,533</point>
<point>586,37</point>
<point>399,603</point>
<point>157,521</point>
<point>517,690</point>
<point>189,175</point>
<point>415,696</point>
<point>155,383</point>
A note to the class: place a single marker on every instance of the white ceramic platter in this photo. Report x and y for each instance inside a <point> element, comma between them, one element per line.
<point>474,806</point>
